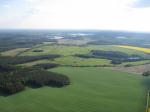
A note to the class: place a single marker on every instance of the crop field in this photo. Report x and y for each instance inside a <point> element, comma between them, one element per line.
<point>133,69</point>
<point>91,90</point>
<point>14,52</point>
<point>148,103</point>
<point>146,50</point>
<point>75,61</point>
<point>67,53</point>
<point>137,63</point>
<point>74,71</point>
<point>72,61</point>
<point>71,50</point>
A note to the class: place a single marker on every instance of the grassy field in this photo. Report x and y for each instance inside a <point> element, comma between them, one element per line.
<point>73,61</point>
<point>14,52</point>
<point>71,50</point>
<point>76,61</point>
<point>137,63</point>
<point>91,90</point>
<point>148,103</point>
<point>67,53</point>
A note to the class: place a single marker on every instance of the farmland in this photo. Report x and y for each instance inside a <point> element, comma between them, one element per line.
<point>70,71</point>
<point>92,90</point>
<point>68,53</point>
<point>14,52</point>
<point>146,50</point>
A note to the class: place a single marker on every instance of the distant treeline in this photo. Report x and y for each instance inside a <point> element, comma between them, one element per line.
<point>46,65</point>
<point>117,57</point>
<point>13,80</point>
<point>11,39</point>
<point>112,55</point>
<point>25,59</point>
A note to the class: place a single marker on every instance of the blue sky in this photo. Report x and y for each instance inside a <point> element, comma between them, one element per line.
<point>132,15</point>
<point>141,3</point>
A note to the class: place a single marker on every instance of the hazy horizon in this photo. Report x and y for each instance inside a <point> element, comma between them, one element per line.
<point>115,15</point>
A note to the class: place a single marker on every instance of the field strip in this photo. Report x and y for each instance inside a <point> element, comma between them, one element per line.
<point>147,102</point>
<point>134,69</point>
<point>146,50</point>
<point>15,52</point>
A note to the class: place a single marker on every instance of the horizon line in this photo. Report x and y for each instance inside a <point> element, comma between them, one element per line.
<point>75,29</point>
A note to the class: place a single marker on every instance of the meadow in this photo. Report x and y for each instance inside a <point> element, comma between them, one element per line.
<point>14,52</point>
<point>68,53</point>
<point>93,85</point>
<point>71,49</point>
<point>91,90</point>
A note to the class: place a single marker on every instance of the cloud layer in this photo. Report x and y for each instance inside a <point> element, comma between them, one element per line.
<point>75,14</point>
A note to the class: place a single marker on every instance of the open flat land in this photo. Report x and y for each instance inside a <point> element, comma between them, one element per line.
<point>91,90</point>
<point>68,52</point>
<point>103,70</point>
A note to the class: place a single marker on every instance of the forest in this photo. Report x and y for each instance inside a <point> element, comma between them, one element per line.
<point>15,79</point>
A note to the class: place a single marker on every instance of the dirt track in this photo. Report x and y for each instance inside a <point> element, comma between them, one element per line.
<point>134,69</point>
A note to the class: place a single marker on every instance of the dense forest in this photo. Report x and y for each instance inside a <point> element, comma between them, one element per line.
<point>15,79</point>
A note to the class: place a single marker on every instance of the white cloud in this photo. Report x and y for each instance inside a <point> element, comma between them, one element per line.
<point>88,14</point>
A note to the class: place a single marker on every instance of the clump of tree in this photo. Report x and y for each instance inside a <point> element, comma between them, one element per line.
<point>46,65</point>
<point>147,73</point>
<point>11,83</point>
<point>128,65</point>
<point>15,81</point>
<point>39,77</point>
<point>47,78</point>
<point>6,68</point>
<point>116,62</point>
<point>37,50</point>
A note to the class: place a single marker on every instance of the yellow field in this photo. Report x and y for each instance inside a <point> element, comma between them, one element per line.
<point>146,50</point>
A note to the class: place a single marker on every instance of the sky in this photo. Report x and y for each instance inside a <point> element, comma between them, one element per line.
<point>130,15</point>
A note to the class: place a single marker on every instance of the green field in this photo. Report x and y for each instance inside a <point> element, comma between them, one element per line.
<point>72,61</point>
<point>91,90</point>
<point>67,53</point>
<point>137,63</point>
<point>71,50</point>
<point>14,52</point>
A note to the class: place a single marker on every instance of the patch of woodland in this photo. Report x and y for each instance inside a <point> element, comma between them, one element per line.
<point>116,57</point>
<point>13,80</point>
<point>25,59</point>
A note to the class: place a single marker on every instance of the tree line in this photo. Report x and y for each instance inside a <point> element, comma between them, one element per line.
<point>25,59</point>
<point>116,57</point>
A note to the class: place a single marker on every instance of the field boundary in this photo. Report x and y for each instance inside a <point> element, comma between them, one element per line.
<point>147,101</point>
